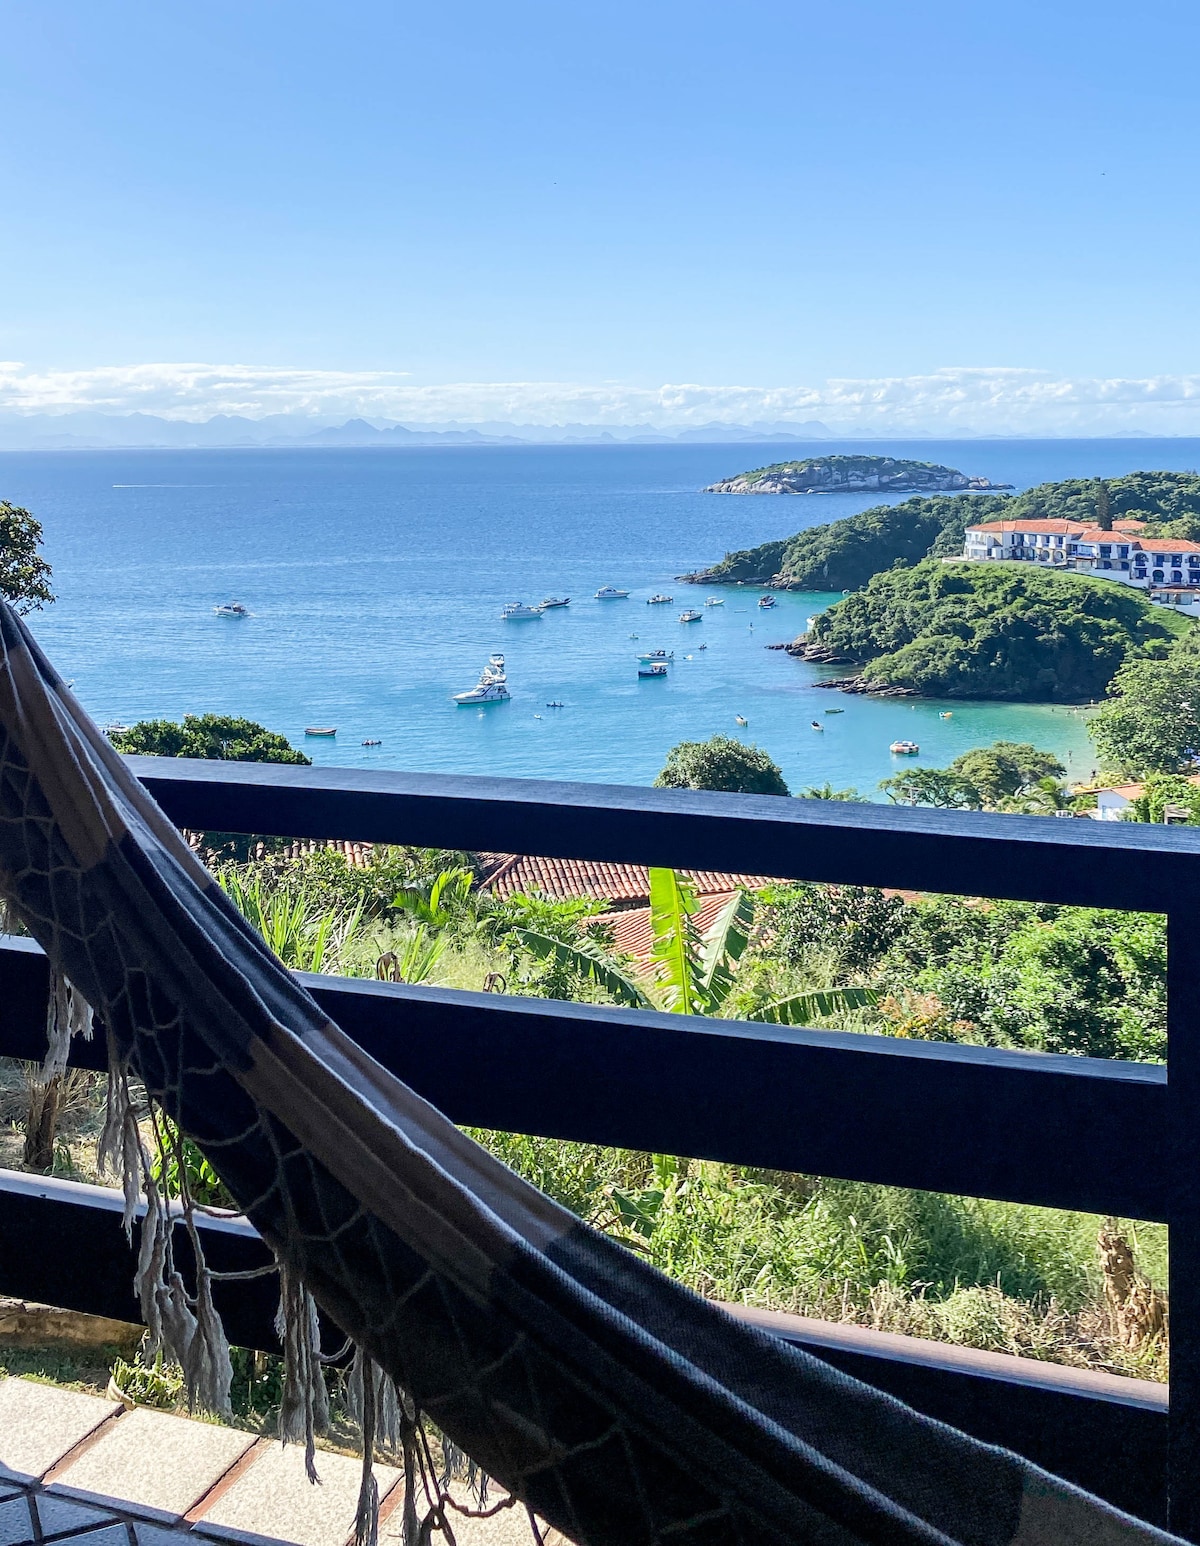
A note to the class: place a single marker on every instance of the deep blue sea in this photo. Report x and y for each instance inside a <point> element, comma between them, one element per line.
<point>376,579</point>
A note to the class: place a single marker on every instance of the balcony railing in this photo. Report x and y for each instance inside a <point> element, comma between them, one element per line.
<point>1063,1132</point>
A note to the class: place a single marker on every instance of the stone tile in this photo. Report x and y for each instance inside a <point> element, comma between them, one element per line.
<point>63,1516</point>
<point>115,1535</point>
<point>157,1535</point>
<point>273,1498</point>
<point>16,1521</point>
<point>154,1461</point>
<point>40,1423</point>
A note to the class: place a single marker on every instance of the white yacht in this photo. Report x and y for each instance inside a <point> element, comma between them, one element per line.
<point>517,611</point>
<point>555,601</point>
<point>766,601</point>
<point>491,686</point>
<point>659,600</point>
<point>611,593</point>
<point>690,616</point>
<point>232,609</point>
<point>664,655</point>
<point>715,601</point>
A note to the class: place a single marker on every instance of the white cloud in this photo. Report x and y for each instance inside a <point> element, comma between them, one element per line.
<point>953,400</point>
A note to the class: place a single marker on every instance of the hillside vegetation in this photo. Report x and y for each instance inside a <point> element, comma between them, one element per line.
<point>847,474</point>
<point>994,631</point>
<point>843,555</point>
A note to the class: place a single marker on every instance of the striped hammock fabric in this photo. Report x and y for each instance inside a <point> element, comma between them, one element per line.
<point>621,1407</point>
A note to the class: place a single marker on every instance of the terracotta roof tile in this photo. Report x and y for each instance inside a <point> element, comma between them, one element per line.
<point>632,935</point>
<point>506,874</point>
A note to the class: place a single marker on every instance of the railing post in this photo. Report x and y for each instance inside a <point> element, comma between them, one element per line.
<point>1183,1108</point>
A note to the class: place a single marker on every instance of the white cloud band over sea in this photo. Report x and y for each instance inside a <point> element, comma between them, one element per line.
<point>950,401</point>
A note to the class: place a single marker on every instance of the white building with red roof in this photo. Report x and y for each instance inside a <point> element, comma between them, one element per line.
<point>1167,568</point>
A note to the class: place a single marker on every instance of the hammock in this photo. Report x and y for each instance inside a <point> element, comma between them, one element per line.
<point>615,1404</point>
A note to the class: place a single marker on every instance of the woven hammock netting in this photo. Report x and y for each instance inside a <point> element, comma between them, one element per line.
<point>618,1406</point>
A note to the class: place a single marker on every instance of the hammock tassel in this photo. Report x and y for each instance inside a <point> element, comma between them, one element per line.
<point>68,1014</point>
<point>304,1405</point>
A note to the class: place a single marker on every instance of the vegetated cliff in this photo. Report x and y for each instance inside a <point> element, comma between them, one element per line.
<point>849,475</point>
<point>845,554</point>
<point>1007,631</point>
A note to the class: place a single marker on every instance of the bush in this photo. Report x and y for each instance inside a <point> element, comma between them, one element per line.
<point>723,764</point>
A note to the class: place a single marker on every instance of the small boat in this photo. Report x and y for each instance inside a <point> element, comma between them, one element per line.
<point>715,601</point>
<point>816,724</point>
<point>116,728</point>
<point>741,719</point>
<point>702,646</point>
<point>516,612</point>
<point>946,716</point>
<point>556,705</point>
<point>690,616</point>
<point>373,742</point>
<point>904,748</point>
<point>555,601</point>
<point>664,655</point>
<point>766,601</point>
<point>835,711</point>
<point>232,609</point>
<point>611,593</point>
<point>659,600</point>
<point>326,730</point>
<point>655,668</point>
<point>492,686</point>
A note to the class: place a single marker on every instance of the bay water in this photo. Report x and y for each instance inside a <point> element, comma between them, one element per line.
<point>375,580</point>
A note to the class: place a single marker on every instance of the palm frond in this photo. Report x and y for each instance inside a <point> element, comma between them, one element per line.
<point>589,960</point>
<point>800,1008</point>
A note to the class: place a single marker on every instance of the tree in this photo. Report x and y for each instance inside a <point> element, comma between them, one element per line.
<point>931,786</point>
<point>1104,515</point>
<point>723,764</point>
<point>1161,790</point>
<point>1005,768</point>
<point>213,737</point>
<point>1150,722</point>
<point>24,573</point>
<point>689,973</point>
<point>826,791</point>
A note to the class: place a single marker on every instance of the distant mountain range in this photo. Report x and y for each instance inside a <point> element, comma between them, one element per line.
<point>90,431</point>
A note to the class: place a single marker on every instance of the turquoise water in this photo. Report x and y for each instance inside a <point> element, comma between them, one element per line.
<point>376,580</point>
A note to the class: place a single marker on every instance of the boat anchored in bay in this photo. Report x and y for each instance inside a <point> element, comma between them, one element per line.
<point>492,686</point>
<point>611,593</point>
<point>518,612</point>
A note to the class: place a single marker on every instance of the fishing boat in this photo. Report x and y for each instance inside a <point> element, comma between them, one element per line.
<point>904,748</point>
<point>517,612</point>
<point>659,600</point>
<point>703,646</point>
<point>492,686</point>
<point>741,719</point>
<point>816,724</point>
<point>835,711</point>
<point>325,730</point>
<point>232,609</point>
<point>373,742</point>
<point>690,616</point>
<point>657,655</point>
<point>715,601</point>
<point>611,593</point>
<point>654,668</point>
<point>766,601</point>
<point>555,601</point>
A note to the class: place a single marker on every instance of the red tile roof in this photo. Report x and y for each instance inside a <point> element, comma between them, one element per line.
<point>506,874</point>
<point>632,935</point>
<point>1066,528</point>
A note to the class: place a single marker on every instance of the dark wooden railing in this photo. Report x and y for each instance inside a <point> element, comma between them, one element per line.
<point>1072,1133</point>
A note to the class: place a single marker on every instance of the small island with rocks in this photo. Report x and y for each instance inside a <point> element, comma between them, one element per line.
<point>851,475</point>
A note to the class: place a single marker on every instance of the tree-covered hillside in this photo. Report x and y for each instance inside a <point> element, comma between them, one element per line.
<point>995,631</point>
<point>845,554</point>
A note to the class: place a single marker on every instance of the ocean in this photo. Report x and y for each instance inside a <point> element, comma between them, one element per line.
<point>375,579</point>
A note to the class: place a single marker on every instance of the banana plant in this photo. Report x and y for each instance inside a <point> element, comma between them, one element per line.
<point>689,972</point>
<point>444,902</point>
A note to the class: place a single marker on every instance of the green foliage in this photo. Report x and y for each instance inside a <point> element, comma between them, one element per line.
<point>24,573</point>
<point>826,791</point>
<point>985,778</point>
<point>723,764</point>
<point>854,925</point>
<point>158,1384</point>
<point>994,631</point>
<point>303,936</point>
<point>181,1165</point>
<point>215,737</point>
<point>444,902</point>
<point>1161,790</point>
<point>1150,722</point>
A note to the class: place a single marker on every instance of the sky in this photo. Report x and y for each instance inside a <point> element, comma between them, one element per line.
<point>929,214</point>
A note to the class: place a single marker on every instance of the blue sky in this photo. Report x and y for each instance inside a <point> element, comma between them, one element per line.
<point>756,194</point>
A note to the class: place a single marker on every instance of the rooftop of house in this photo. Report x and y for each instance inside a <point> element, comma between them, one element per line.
<point>625,885</point>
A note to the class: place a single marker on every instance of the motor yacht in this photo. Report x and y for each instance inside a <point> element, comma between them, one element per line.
<point>715,601</point>
<point>653,668</point>
<point>659,600</point>
<point>611,593</point>
<point>766,601</point>
<point>232,609</point>
<point>555,601</point>
<point>663,655</point>
<point>904,748</point>
<point>690,616</point>
<point>492,686</point>
<point>517,612</point>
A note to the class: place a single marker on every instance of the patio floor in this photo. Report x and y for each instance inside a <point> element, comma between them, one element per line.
<point>75,1465</point>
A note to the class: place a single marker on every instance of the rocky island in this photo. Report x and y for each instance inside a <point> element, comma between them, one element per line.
<point>851,475</point>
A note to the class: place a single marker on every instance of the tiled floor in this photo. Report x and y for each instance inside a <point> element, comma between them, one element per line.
<point>77,1466</point>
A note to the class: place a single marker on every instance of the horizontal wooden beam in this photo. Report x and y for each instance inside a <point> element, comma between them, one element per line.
<point>1022,1127</point>
<point>1103,1433</point>
<point>1089,863</point>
